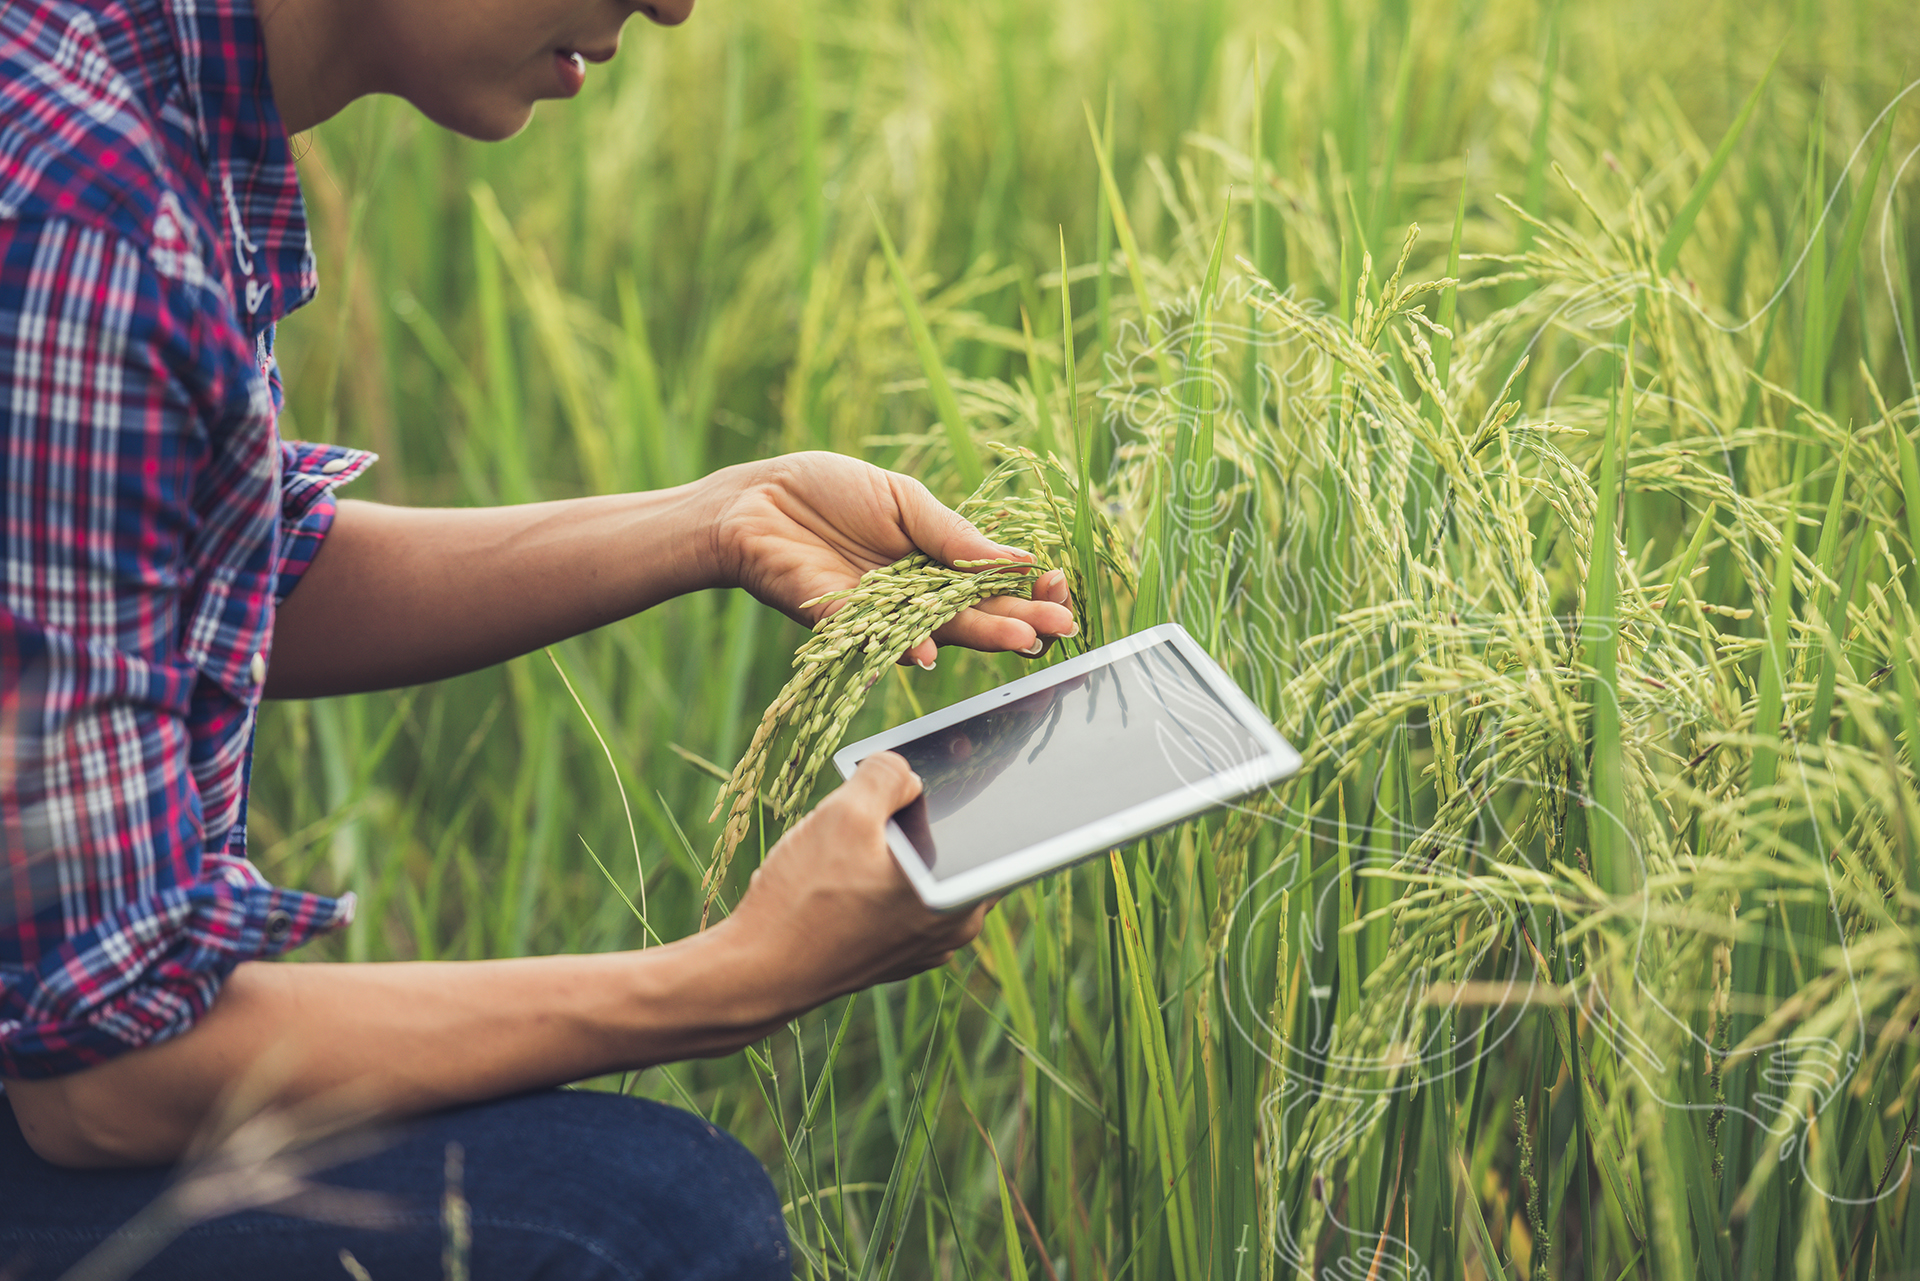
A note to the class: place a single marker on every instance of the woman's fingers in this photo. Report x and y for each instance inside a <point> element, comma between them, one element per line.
<point>1005,624</point>
<point>1052,587</point>
<point>940,531</point>
<point>882,784</point>
<point>1008,624</point>
<point>954,931</point>
<point>922,655</point>
<point>997,625</point>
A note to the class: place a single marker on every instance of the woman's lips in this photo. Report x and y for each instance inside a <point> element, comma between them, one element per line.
<point>571,67</point>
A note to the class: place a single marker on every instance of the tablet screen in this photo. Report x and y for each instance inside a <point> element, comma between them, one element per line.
<point>1139,728</point>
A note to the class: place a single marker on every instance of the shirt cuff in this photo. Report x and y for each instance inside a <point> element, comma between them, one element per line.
<point>308,476</point>
<point>149,971</point>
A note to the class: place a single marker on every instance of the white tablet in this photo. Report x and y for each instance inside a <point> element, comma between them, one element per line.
<point>1071,761</point>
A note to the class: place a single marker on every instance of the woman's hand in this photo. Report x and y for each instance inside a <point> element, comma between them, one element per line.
<point>831,912</point>
<point>793,528</point>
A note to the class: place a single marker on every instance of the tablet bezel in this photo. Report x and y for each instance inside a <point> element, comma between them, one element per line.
<point>1279,761</point>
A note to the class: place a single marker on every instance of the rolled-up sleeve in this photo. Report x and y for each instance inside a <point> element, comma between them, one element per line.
<point>309,474</point>
<point>148,516</point>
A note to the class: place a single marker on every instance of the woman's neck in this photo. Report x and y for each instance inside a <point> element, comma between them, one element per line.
<point>317,56</point>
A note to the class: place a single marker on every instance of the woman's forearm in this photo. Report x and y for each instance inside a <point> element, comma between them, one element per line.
<point>400,596</point>
<point>391,1040</point>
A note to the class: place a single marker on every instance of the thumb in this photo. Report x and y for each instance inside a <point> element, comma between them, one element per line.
<point>943,533</point>
<point>882,783</point>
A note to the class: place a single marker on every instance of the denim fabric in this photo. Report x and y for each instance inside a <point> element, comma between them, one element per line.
<point>568,1185</point>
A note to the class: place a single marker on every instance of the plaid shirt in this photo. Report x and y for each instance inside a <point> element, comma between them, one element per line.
<point>151,233</point>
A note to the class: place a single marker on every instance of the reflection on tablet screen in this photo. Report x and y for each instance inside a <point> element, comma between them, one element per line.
<point>1139,728</point>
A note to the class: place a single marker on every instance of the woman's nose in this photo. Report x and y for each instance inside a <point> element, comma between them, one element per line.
<point>668,13</point>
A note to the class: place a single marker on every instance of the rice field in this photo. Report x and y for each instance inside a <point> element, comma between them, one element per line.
<point>1519,400</point>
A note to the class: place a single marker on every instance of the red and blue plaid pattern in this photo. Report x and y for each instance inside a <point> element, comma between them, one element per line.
<point>151,233</point>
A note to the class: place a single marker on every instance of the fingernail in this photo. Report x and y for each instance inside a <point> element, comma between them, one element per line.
<point>1038,647</point>
<point>1073,629</point>
<point>925,665</point>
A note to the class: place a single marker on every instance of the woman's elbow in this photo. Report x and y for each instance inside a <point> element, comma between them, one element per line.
<point>67,1123</point>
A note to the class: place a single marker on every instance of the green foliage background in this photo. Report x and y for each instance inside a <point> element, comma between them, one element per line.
<point>681,270</point>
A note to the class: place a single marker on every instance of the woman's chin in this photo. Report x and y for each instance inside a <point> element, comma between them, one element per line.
<point>491,121</point>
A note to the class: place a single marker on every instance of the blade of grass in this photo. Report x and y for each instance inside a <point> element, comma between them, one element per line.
<point>1379,207</point>
<point>1123,226</point>
<point>1450,296</point>
<point>1542,127</point>
<point>1681,228</point>
<point>556,335</point>
<point>1813,321</point>
<point>1909,685</point>
<point>1769,700</point>
<point>1475,1222</point>
<point>1081,428</point>
<point>1161,1083</point>
<point>1910,496</point>
<point>1193,453</point>
<point>626,806</point>
<point>645,404</point>
<point>1833,645</point>
<point>1010,1226</point>
<point>966,454</point>
<point>912,1153</point>
<point>1103,248</point>
<point>1600,618</point>
<point>1683,568</point>
<point>1847,264</point>
<point>1042,390</point>
<point>1203,348</point>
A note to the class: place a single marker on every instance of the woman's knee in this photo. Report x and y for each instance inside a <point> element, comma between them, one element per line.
<point>658,1191</point>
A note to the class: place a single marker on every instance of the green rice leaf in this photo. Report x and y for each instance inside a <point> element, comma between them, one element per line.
<point>1683,568</point>
<point>966,454</point>
<point>1682,226</point>
<point>1774,659</point>
<point>1909,485</point>
<point>1123,227</point>
<point>1081,428</point>
<point>1600,620</point>
<point>1042,389</point>
<point>1840,282</point>
<point>1162,1084</point>
<point>1016,1256</point>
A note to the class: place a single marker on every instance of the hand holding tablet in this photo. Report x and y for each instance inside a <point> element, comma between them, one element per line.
<point>1068,762</point>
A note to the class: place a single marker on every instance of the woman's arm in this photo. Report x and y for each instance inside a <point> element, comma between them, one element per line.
<point>828,912</point>
<point>398,596</point>
<point>402,596</point>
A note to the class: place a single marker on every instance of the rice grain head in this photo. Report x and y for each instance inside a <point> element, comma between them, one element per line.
<point>870,625</point>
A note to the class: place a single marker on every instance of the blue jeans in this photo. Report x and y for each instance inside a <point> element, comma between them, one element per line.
<point>565,1184</point>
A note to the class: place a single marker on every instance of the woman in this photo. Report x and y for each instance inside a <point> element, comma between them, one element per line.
<point>169,561</point>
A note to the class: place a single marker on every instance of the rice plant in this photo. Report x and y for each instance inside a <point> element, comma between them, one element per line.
<point>1519,401</point>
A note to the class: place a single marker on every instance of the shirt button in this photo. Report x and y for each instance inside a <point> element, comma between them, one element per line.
<point>258,669</point>
<point>333,466</point>
<point>279,925</point>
